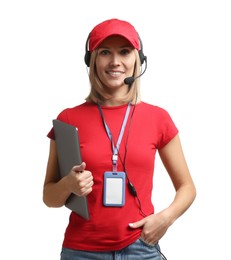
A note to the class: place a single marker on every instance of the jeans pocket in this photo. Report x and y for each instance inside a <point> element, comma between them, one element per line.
<point>147,244</point>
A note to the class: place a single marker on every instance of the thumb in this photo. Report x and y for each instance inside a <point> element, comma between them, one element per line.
<point>80,168</point>
<point>137,224</point>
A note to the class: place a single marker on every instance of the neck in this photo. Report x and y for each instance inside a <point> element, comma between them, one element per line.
<point>113,102</point>
<point>115,96</point>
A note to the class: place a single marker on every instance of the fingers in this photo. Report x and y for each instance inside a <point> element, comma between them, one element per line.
<point>137,224</point>
<point>85,183</point>
<point>82,180</point>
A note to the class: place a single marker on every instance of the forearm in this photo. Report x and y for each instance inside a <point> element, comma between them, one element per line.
<point>56,194</point>
<point>184,197</point>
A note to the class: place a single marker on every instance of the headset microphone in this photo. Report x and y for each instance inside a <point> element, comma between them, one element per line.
<point>130,80</point>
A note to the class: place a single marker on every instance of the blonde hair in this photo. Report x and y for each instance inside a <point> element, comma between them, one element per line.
<point>97,93</point>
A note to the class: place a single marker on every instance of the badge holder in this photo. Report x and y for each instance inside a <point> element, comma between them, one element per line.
<point>114,189</point>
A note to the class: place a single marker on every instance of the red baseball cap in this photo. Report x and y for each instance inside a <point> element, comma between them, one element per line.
<point>113,27</point>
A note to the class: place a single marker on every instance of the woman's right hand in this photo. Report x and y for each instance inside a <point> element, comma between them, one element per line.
<point>79,181</point>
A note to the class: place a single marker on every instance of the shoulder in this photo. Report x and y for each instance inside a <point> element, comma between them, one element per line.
<point>69,113</point>
<point>154,110</point>
<point>160,122</point>
<point>158,117</point>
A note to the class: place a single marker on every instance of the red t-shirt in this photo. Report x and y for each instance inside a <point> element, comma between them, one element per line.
<point>151,128</point>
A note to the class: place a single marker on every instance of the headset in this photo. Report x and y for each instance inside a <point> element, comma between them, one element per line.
<point>87,56</point>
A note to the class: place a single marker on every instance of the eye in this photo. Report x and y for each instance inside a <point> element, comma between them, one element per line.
<point>125,52</point>
<point>104,52</point>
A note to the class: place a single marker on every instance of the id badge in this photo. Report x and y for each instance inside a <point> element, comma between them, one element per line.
<point>114,189</point>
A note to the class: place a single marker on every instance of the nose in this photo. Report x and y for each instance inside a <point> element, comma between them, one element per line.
<point>115,60</point>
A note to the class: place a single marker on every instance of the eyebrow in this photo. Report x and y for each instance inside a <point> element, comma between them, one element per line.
<point>121,47</point>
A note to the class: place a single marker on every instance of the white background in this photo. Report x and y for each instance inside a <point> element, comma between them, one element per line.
<point>189,73</point>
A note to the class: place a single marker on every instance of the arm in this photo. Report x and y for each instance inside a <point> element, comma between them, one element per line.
<point>174,161</point>
<point>56,190</point>
<point>155,226</point>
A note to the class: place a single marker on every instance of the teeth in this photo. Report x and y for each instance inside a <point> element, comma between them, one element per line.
<point>115,73</point>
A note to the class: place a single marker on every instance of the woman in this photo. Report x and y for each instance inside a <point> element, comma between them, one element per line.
<point>119,135</point>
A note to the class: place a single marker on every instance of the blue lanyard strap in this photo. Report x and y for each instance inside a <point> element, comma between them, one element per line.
<point>115,149</point>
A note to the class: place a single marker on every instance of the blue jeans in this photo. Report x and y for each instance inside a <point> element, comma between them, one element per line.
<point>139,250</point>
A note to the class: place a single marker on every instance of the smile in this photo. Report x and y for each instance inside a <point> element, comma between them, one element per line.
<point>115,73</point>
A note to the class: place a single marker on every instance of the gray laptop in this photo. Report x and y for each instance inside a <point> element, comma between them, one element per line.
<point>68,151</point>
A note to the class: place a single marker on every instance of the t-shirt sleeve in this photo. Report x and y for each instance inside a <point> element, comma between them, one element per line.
<point>63,116</point>
<point>167,130</point>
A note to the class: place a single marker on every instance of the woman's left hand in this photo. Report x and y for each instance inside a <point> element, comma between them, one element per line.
<point>153,227</point>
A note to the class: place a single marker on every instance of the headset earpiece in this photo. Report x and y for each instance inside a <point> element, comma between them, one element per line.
<point>87,56</point>
<point>141,53</point>
<point>142,57</point>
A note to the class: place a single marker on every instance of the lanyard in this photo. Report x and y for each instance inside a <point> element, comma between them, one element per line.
<point>115,149</point>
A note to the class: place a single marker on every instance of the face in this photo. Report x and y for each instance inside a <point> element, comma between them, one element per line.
<point>114,62</point>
